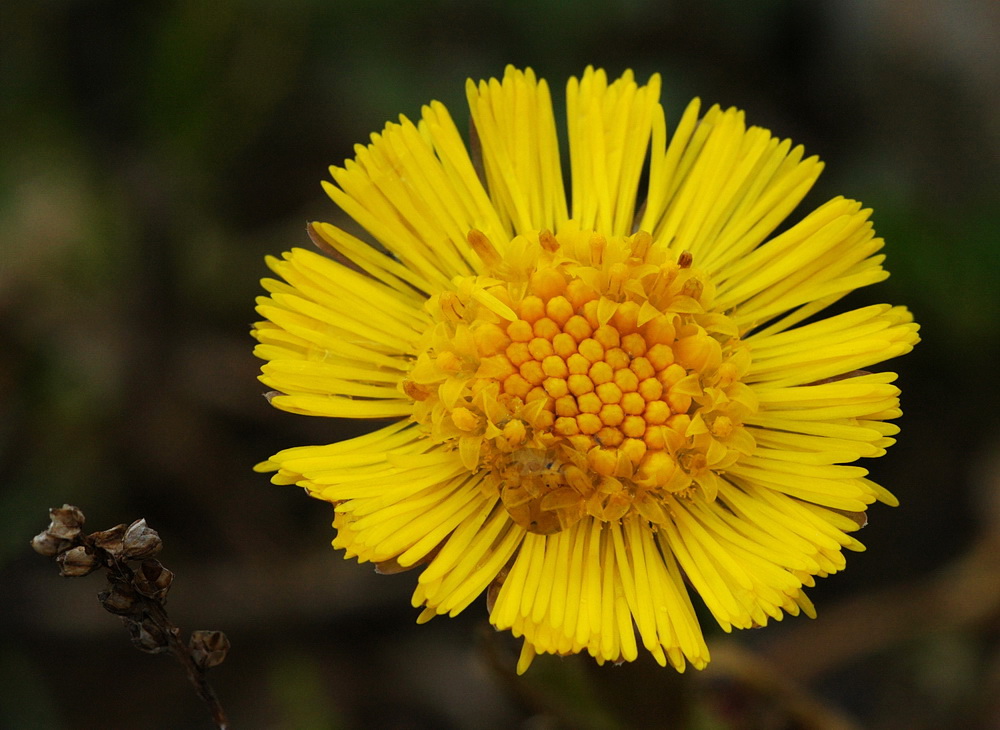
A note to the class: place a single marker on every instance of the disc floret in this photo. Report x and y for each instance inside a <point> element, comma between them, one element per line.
<point>584,375</point>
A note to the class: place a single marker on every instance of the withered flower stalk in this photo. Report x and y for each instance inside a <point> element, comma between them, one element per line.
<point>136,592</point>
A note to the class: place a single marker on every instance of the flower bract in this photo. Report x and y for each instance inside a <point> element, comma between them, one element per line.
<point>602,387</point>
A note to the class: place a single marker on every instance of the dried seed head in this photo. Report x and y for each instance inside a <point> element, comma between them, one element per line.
<point>45,544</point>
<point>110,540</point>
<point>119,599</point>
<point>208,648</point>
<point>153,580</point>
<point>64,528</point>
<point>140,541</point>
<point>77,562</point>
<point>66,522</point>
<point>147,635</point>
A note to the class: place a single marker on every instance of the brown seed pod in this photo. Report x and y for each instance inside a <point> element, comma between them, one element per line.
<point>120,599</point>
<point>45,544</point>
<point>77,562</point>
<point>110,540</point>
<point>153,580</point>
<point>208,648</point>
<point>66,522</point>
<point>140,541</point>
<point>147,635</point>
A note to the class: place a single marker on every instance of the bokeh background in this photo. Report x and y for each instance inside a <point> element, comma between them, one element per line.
<point>152,153</point>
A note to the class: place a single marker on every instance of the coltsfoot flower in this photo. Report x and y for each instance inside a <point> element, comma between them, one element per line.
<point>595,403</point>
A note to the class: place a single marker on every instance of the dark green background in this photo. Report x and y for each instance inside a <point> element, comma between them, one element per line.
<point>154,152</point>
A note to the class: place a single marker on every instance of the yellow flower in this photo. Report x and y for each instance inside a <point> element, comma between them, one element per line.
<point>595,403</point>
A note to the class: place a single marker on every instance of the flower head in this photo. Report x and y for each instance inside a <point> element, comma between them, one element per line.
<point>595,403</point>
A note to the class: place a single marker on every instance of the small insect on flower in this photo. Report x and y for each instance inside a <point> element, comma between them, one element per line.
<point>602,404</point>
<point>534,462</point>
<point>531,489</point>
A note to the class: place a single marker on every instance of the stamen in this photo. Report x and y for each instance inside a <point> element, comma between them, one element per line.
<point>464,419</point>
<point>641,243</point>
<point>617,276</point>
<point>597,245</point>
<point>452,306</point>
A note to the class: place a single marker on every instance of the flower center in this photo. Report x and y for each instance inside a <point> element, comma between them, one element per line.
<point>584,376</point>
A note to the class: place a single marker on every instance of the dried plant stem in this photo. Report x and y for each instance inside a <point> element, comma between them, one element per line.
<point>136,595</point>
<point>154,610</point>
<point>195,673</point>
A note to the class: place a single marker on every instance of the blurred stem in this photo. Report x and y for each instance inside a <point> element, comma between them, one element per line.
<point>120,572</point>
<point>764,680</point>
<point>962,594</point>
<point>195,674</point>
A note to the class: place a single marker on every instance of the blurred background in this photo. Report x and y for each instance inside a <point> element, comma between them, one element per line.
<point>153,153</point>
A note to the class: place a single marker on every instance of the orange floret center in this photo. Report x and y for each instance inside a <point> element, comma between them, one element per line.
<point>584,376</point>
